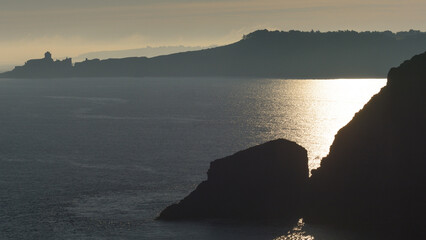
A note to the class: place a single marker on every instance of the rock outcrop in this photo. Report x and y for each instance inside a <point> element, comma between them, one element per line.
<point>372,180</point>
<point>374,176</point>
<point>262,182</point>
<point>42,68</point>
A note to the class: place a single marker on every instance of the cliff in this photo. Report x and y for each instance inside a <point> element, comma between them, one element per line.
<point>263,53</point>
<point>372,180</point>
<point>373,177</point>
<point>42,68</point>
<point>262,182</point>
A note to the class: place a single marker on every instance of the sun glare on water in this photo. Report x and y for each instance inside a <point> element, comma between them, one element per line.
<point>349,96</point>
<point>309,112</point>
<point>297,233</point>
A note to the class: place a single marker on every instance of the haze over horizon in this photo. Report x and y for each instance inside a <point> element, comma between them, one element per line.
<point>71,28</point>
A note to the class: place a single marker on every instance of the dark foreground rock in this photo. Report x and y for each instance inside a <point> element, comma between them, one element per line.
<point>372,180</point>
<point>374,177</point>
<point>262,182</point>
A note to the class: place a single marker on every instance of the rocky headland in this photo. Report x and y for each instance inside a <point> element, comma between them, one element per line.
<point>374,174</point>
<point>372,180</point>
<point>263,53</point>
<point>262,182</point>
<point>42,68</point>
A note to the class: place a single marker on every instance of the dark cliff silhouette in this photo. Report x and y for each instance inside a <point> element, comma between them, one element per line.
<point>374,175</point>
<point>373,179</point>
<point>262,182</point>
<point>45,67</point>
<point>263,53</point>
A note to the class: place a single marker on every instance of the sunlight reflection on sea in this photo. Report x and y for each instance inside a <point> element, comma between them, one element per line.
<point>94,158</point>
<point>317,110</point>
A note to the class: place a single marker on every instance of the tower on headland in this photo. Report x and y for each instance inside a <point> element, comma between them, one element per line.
<point>48,56</point>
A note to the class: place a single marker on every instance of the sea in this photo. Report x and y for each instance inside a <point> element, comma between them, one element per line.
<point>99,158</point>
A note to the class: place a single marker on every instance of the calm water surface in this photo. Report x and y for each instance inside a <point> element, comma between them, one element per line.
<point>100,158</point>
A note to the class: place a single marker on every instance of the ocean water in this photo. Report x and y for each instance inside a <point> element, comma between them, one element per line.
<point>100,158</point>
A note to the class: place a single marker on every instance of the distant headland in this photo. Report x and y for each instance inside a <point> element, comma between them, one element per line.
<point>44,67</point>
<point>263,53</point>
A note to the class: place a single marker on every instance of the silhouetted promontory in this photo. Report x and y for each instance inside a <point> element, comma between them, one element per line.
<point>373,179</point>
<point>374,176</point>
<point>262,182</point>
<point>263,53</point>
<point>45,67</point>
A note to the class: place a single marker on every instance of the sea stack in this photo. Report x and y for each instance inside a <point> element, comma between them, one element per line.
<point>373,178</point>
<point>262,182</point>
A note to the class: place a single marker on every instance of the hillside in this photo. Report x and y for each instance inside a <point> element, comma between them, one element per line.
<point>263,53</point>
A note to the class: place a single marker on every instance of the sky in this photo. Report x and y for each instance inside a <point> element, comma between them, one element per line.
<point>68,28</point>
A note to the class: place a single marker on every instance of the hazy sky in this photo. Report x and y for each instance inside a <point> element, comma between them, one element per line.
<point>70,27</point>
